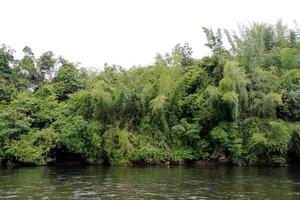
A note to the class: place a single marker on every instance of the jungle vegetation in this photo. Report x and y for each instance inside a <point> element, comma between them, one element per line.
<point>241,104</point>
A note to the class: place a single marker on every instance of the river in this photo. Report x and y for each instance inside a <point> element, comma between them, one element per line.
<point>149,183</point>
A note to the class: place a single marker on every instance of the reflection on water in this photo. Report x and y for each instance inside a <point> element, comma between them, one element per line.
<point>149,183</point>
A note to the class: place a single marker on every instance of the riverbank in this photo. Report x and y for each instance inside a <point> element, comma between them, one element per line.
<point>162,163</point>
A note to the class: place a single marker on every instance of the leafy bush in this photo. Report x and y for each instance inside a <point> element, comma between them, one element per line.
<point>267,142</point>
<point>34,147</point>
<point>81,136</point>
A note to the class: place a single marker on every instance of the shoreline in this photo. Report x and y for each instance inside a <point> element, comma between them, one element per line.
<point>195,163</point>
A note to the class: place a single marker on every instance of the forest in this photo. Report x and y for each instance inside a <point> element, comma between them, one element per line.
<point>239,105</point>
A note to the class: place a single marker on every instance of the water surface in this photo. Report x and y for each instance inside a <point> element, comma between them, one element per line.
<point>149,183</point>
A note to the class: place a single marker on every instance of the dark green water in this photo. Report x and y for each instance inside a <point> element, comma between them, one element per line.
<point>150,183</point>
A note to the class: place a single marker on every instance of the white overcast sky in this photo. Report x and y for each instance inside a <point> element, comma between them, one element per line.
<point>127,32</point>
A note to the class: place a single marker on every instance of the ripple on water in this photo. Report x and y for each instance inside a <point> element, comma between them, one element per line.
<point>149,183</point>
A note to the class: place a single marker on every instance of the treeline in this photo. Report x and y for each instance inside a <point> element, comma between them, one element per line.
<point>240,105</point>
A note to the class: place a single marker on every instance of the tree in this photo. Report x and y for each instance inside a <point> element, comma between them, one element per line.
<point>6,61</point>
<point>183,54</point>
<point>67,81</point>
<point>28,68</point>
<point>46,63</point>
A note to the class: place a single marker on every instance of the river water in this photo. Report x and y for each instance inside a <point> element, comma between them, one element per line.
<point>150,183</point>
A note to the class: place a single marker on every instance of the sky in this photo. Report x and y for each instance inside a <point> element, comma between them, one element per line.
<point>127,32</point>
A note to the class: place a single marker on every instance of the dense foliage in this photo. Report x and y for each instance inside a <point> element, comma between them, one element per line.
<point>240,104</point>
